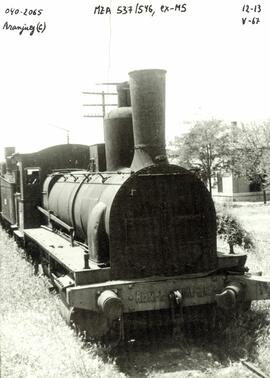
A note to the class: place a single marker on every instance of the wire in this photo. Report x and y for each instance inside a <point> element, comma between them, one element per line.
<point>109,44</point>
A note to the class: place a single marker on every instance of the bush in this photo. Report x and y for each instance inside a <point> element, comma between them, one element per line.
<point>230,229</point>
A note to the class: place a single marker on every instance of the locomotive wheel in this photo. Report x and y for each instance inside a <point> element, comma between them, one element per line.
<point>115,333</point>
<point>92,325</point>
<point>89,324</point>
<point>243,307</point>
<point>33,255</point>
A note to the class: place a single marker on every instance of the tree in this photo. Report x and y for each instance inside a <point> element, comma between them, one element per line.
<point>230,230</point>
<point>251,153</point>
<point>205,149</point>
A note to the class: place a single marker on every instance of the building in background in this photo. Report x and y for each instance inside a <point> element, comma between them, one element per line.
<point>230,188</point>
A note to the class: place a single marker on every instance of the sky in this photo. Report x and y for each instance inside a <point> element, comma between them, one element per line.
<point>216,67</point>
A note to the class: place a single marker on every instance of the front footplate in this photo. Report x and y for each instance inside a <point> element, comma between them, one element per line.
<point>154,293</point>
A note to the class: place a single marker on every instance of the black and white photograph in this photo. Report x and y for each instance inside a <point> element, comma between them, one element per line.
<point>134,189</point>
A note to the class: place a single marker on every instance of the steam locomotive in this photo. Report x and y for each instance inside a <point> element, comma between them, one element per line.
<point>120,232</point>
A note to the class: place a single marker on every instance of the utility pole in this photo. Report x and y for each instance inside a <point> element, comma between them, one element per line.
<point>103,103</point>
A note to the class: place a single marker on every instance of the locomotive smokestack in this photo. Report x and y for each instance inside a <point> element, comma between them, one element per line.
<point>147,90</point>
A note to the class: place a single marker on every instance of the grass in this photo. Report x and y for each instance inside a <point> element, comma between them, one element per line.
<point>248,336</point>
<point>35,341</point>
<point>256,219</point>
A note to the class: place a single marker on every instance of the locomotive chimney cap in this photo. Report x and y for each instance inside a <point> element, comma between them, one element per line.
<point>147,70</point>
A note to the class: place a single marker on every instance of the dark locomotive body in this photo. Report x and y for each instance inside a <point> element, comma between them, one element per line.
<point>137,236</point>
<point>23,176</point>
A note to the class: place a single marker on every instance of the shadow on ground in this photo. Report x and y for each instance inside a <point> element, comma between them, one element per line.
<point>159,352</point>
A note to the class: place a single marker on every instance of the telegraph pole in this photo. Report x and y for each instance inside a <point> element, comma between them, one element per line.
<point>102,104</point>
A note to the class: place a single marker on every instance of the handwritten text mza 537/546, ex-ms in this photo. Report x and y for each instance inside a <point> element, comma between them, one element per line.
<point>139,9</point>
